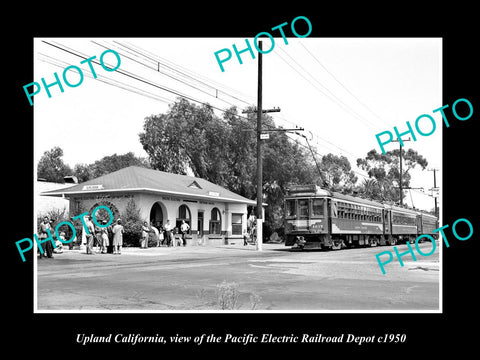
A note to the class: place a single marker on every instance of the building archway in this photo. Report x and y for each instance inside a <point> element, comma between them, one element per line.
<point>103,214</point>
<point>158,214</point>
<point>184,214</point>
<point>215,222</point>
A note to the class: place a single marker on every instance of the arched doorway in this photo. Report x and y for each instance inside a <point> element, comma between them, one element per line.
<point>215,222</point>
<point>183,214</point>
<point>102,214</point>
<point>157,215</point>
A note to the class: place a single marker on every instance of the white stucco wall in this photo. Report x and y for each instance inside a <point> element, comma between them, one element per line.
<point>170,207</point>
<point>44,204</point>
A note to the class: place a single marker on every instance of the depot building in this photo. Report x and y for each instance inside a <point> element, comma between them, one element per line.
<point>215,214</point>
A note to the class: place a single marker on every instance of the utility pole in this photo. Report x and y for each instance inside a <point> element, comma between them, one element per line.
<point>259,131</point>
<point>259,154</point>
<point>401,190</point>
<point>435,189</point>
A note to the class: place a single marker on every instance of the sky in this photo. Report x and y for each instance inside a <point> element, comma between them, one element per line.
<point>342,91</point>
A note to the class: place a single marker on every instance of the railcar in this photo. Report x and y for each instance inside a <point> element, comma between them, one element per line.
<point>318,218</point>
<point>426,224</point>
<point>306,216</point>
<point>403,224</point>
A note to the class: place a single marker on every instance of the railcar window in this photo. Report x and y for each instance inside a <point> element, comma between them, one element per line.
<point>334,209</point>
<point>303,208</point>
<point>317,207</point>
<point>341,210</point>
<point>349,211</point>
<point>290,208</point>
<point>403,220</point>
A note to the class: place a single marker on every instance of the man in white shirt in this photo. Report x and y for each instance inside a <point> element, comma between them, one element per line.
<point>90,236</point>
<point>184,229</point>
<point>168,231</point>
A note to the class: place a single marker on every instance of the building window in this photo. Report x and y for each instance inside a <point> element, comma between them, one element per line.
<point>237,224</point>
<point>183,214</point>
<point>215,222</point>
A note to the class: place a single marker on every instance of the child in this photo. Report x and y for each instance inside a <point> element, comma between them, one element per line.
<point>59,245</point>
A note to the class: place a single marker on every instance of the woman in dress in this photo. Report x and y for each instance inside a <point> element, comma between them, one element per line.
<point>145,231</point>
<point>117,237</point>
<point>105,241</point>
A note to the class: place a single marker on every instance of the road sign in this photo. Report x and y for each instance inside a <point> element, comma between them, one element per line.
<point>435,192</point>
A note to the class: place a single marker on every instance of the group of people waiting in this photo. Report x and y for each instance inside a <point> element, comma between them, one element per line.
<point>164,235</point>
<point>99,237</point>
<point>96,236</point>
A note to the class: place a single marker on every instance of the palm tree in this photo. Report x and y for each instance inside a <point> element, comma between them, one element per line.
<point>370,188</point>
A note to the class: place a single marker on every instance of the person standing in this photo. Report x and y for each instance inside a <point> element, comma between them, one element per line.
<point>145,231</point>
<point>168,233</point>
<point>184,230</point>
<point>251,226</point>
<point>117,237</point>
<point>98,238</point>
<point>174,239</point>
<point>156,234</point>
<point>245,237</point>
<point>110,239</point>
<point>104,238</point>
<point>252,219</point>
<point>91,235</point>
<point>46,246</point>
<point>161,236</point>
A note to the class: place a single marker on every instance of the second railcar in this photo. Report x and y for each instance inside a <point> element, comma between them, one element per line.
<point>403,224</point>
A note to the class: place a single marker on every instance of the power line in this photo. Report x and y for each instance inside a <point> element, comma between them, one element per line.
<point>318,137</point>
<point>316,153</point>
<point>341,84</point>
<point>332,96</point>
<point>157,69</point>
<point>157,97</point>
<point>174,67</point>
<point>108,81</point>
<point>323,139</point>
<point>143,80</point>
<point>152,58</point>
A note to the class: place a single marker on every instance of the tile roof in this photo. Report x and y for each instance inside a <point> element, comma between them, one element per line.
<point>139,179</point>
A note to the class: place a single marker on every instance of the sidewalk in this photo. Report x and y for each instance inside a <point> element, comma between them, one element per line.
<point>180,250</point>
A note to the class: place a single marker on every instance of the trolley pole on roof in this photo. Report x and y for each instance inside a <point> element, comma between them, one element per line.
<point>322,178</point>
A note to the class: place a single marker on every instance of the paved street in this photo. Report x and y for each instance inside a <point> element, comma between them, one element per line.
<point>276,279</point>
